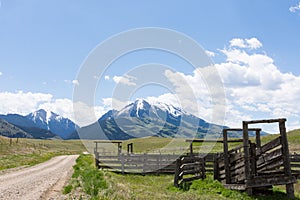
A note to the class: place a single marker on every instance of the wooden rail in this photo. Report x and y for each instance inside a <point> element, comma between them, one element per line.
<point>146,163</point>
<point>189,165</point>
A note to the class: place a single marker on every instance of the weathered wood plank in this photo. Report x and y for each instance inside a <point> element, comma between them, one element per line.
<point>270,145</point>
<point>235,157</point>
<point>237,166</point>
<point>235,186</point>
<point>191,178</point>
<point>265,121</point>
<point>295,165</point>
<point>240,147</point>
<point>270,180</point>
<point>271,166</point>
<point>265,158</point>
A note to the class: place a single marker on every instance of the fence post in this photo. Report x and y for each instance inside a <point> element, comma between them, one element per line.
<point>247,157</point>
<point>97,159</point>
<point>144,163</point>
<point>286,158</point>
<point>226,157</point>
<point>122,163</point>
<point>203,168</point>
<point>177,172</point>
<point>216,166</point>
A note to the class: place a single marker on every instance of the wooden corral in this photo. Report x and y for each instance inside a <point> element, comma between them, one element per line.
<point>248,167</point>
<point>253,165</point>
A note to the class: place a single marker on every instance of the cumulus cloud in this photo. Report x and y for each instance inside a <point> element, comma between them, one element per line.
<point>24,103</point>
<point>252,43</point>
<point>295,8</point>
<point>126,80</point>
<point>0,73</point>
<point>106,77</point>
<point>83,114</point>
<point>254,86</point>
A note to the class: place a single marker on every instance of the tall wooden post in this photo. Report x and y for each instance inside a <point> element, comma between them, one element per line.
<point>247,156</point>
<point>258,142</point>
<point>286,158</point>
<point>191,148</point>
<point>96,153</point>
<point>177,171</point>
<point>226,157</point>
<point>216,166</point>
<point>119,148</point>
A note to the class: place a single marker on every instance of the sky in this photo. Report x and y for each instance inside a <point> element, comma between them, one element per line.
<point>254,46</point>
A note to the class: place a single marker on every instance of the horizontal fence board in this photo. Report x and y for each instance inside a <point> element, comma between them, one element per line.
<point>237,166</point>
<point>270,145</point>
<point>191,178</point>
<point>265,158</point>
<point>235,157</point>
<point>270,180</point>
<point>238,148</point>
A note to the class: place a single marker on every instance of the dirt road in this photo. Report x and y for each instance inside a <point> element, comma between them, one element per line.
<point>43,181</point>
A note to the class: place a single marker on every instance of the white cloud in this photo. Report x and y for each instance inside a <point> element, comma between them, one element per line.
<point>295,8</point>
<point>75,82</point>
<point>210,53</point>
<point>252,43</point>
<point>106,77</point>
<point>85,114</point>
<point>237,42</point>
<point>0,73</point>
<point>22,102</point>
<point>255,88</point>
<point>126,80</point>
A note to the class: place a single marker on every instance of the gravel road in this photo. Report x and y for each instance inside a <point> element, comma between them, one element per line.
<point>42,181</point>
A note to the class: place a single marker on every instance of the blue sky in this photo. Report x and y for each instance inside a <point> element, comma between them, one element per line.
<point>44,43</point>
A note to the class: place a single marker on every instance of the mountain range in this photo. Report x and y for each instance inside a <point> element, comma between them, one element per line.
<point>138,119</point>
<point>42,125</point>
<point>142,119</point>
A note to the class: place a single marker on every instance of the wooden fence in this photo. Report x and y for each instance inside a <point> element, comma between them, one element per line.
<point>146,163</point>
<point>295,165</point>
<point>189,165</point>
<point>138,163</point>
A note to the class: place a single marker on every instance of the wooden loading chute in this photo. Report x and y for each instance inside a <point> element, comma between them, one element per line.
<point>253,165</point>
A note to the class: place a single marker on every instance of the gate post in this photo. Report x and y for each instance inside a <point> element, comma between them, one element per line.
<point>286,158</point>
<point>247,157</point>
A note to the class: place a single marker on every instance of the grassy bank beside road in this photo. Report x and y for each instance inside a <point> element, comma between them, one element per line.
<point>23,152</point>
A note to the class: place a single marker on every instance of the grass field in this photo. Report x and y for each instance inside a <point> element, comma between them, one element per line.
<point>90,183</point>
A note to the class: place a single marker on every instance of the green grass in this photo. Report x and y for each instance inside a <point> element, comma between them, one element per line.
<point>27,152</point>
<point>87,178</point>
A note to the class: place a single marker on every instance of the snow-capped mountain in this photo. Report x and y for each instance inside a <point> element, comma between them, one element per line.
<point>48,120</point>
<point>141,119</point>
<point>43,121</point>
